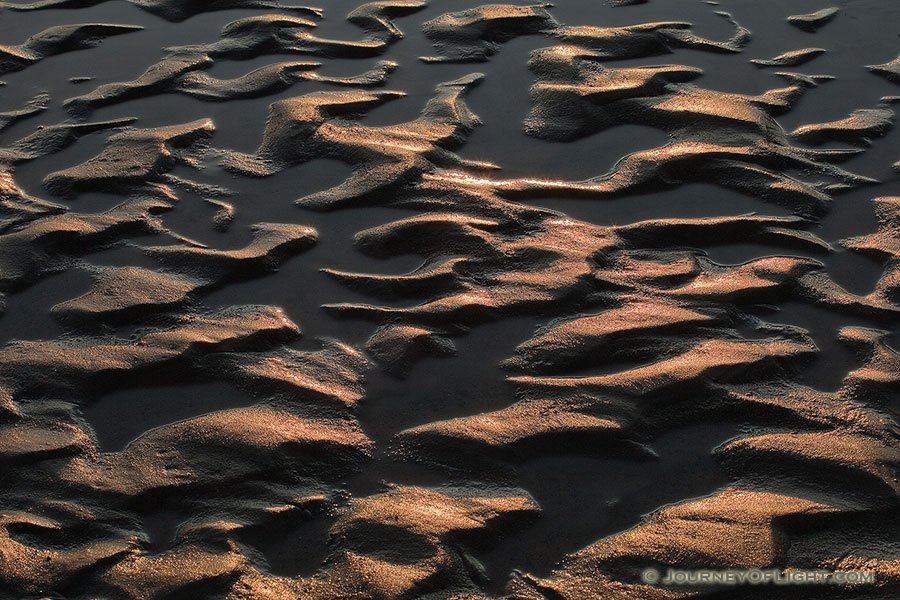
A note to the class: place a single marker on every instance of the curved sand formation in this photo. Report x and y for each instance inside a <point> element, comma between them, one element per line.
<point>736,529</point>
<point>126,293</point>
<point>47,245</point>
<point>813,21</point>
<point>474,286</point>
<point>170,10</point>
<point>575,96</point>
<point>890,70</point>
<point>599,99</point>
<point>883,246</point>
<point>85,361</point>
<point>16,206</point>
<point>184,76</point>
<point>398,347</point>
<point>474,35</point>
<point>859,128</point>
<point>133,159</point>
<point>303,128</point>
<point>34,106</point>
<point>790,59</point>
<point>56,40</point>
<point>643,333</point>
<point>332,376</point>
<point>278,34</point>
<point>610,414</point>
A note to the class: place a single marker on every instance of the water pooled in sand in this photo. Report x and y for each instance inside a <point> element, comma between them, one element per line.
<point>446,300</point>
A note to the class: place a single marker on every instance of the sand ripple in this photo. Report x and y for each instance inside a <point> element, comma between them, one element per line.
<point>304,484</point>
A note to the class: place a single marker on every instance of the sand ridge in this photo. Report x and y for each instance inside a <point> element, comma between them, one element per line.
<point>304,484</point>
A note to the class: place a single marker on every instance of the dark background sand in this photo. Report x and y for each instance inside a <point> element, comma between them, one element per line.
<point>583,497</point>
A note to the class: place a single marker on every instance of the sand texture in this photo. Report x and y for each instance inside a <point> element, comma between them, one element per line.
<point>446,300</point>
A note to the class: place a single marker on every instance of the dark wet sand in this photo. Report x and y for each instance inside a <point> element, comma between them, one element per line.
<point>554,295</point>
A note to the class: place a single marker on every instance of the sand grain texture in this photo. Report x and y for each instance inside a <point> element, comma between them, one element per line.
<point>288,312</point>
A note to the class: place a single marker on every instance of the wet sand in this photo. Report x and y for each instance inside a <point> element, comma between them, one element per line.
<point>447,300</point>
